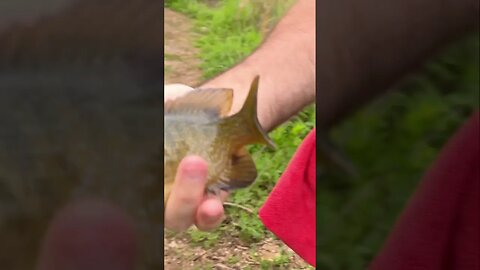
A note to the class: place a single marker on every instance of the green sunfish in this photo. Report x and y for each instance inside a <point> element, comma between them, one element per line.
<point>198,124</point>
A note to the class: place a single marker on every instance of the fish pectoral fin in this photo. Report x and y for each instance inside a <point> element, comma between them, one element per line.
<point>242,173</point>
<point>217,100</point>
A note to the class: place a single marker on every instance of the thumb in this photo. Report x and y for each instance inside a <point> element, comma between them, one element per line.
<point>89,235</point>
<point>172,91</point>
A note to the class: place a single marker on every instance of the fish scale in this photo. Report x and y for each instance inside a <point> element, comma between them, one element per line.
<point>203,141</point>
<point>198,124</point>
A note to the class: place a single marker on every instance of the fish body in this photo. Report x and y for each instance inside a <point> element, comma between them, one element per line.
<point>198,124</point>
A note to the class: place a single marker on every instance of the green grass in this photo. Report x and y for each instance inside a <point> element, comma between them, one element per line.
<point>229,31</point>
<point>391,142</point>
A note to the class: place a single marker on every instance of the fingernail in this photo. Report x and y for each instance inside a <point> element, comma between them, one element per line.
<point>194,168</point>
<point>193,174</point>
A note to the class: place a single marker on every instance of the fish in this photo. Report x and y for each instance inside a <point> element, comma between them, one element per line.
<point>199,123</point>
<point>80,116</point>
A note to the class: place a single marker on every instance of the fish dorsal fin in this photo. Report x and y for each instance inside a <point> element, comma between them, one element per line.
<point>217,100</point>
<point>247,116</point>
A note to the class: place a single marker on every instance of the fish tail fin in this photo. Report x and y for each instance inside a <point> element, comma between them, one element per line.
<point>250,127</point>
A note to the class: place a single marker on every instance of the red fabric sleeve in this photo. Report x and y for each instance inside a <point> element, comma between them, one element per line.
<point>439,230</point>
<point>289,211</point>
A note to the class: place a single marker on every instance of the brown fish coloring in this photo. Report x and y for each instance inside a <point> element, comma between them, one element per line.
<point>198,124</point>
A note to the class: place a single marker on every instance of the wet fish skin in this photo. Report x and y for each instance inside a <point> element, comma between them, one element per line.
<point>198,124</point>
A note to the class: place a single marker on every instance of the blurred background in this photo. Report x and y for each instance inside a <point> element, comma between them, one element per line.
<point>391,142</point>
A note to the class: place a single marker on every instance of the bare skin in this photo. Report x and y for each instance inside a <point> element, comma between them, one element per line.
<point>286,65</point>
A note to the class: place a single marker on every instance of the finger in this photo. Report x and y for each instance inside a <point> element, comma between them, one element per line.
<point>187,193</point>
<point>210,214</point>
<point>173,91</point>
<point>89,235</point>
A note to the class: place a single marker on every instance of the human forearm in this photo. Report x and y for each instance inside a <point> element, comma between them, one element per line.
<point>365,46</point>
<point>286,65</point>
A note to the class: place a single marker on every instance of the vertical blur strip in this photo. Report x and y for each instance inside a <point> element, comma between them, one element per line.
<point>393,140</point>
<point>81,120</point>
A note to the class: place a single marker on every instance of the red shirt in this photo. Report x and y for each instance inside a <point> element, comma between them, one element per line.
<point>290,209</point>
<point>439,228</point>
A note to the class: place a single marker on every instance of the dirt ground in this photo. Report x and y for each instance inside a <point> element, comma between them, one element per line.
<point>181,61</point>
<point>182,66</point>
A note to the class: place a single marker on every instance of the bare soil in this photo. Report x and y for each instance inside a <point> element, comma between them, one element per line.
<point>182,66</point>
<point>181,61</point>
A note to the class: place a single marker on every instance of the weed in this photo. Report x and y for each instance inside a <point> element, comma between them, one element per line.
<point>205,239</point>
<point>230,30</point>
<point>233,260</point>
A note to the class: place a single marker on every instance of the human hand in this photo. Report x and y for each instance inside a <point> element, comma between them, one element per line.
<point>93,234</point>
<point>188,204</point>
